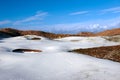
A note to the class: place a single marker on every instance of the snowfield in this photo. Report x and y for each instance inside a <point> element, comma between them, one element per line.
<point>55,62</point>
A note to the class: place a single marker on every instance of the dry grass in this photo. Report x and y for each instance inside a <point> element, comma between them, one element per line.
<point>113,55</point>
<point>35,38</point>
<point>108,52</point>
<point>111,32</point>
<point>15,32</point>
<point>25,50</point>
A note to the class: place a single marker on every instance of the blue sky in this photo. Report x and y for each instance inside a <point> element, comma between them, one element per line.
<point>60,16</point>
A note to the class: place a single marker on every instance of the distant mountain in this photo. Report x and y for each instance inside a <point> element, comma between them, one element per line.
<point>9,32</point>
<point>14,32</point>
<point>86,34</point>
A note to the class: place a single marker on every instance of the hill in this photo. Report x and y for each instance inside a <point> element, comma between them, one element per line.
<point>111,32</point>
<point>9,32</point>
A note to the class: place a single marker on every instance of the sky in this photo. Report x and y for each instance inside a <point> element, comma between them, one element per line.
<point>60,16</point>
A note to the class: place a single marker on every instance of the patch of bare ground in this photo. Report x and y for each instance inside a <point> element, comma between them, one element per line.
<point>32,38</point>
<point>105,52</point>
<point>35,38</point>
<point>25,50</point>
<point>112,38</point>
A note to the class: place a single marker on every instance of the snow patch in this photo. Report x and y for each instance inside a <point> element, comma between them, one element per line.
<point>55,63</point>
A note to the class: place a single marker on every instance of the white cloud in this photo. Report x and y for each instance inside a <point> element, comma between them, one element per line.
<point>111,10</point>
<point>79,13</point>
<point>90,26</point>
<point>5,22</point>
<point>38,16</point>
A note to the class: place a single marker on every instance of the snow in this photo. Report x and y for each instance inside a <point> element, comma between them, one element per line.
<point>55,63</point>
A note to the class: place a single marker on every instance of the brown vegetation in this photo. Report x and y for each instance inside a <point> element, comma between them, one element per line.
<point>111,32</point>
<point>86,34</point>
<point>25,50</point>
<point>35,38</point>
<point>11,32</point>
<point>15,32</point>
<point>108,52</point>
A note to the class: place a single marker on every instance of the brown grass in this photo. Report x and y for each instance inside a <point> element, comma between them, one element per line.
<point>108,52</point>
<point>25,50</point>
<point>35,38</point>
<point>15,32</point>
<point>111,32</point>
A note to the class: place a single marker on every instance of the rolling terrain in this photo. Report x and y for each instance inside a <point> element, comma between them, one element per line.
<point>38,55</point>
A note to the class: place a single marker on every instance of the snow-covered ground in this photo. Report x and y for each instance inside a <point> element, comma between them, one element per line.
<point>55,63</point>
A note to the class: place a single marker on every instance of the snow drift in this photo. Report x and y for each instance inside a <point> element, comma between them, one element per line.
<point>55,62</point>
